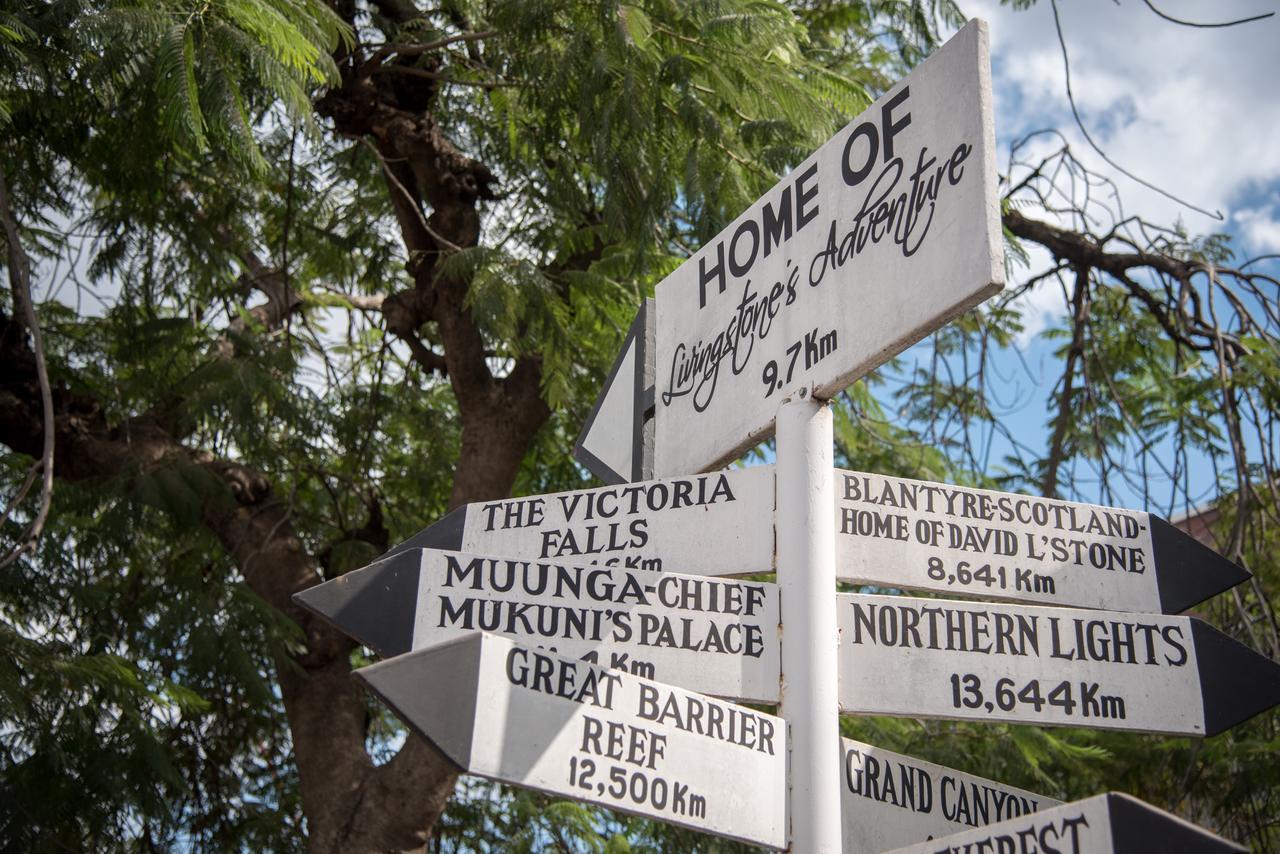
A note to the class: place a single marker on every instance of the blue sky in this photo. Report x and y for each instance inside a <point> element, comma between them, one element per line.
<point>1192,111</point>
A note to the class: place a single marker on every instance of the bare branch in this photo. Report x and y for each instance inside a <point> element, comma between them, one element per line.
<point>1071,99</point>
<point>1066,398</point>
<point>1168,17</point>
<point>360,302</point>
<point>408,198</point>
<point>430,360</point>
<point>418,49</point>
<point>20,281</point>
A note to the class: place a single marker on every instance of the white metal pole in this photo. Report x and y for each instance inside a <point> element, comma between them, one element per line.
<point>807,590</point>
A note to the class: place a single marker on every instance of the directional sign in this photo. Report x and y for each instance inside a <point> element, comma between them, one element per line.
<point>616,444</point>
<point>712,524</point>
<point>935,658</point>
<point>891,800</point>
<point>895,532</point>
<point>885,233</point>
<point>705,634</point>
<point>1113,823</point>
<point>570,728</point>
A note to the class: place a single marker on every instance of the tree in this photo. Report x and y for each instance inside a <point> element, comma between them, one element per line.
<point>309,275</point>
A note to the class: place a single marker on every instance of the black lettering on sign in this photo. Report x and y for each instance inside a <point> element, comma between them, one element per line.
<point>897,783</point>
<point>576,681</point>
<point>977,804</point>
<point>520,513</point>
<point>702,636</point>
<point>940,499</point>
<point>775,225</point>
<point>871,137</point>
<point>1061,836</point>
<point>1117,641</point>
<point>695,369</point>
<point>707,717</point>
<point>705,595</point>
<point>1123,639</point>
<point>940,627</point>
<point>869,523</point>
<point>898,205</point>
<point>902,214</point>
<point>615,740</point>
<point>525,619</point>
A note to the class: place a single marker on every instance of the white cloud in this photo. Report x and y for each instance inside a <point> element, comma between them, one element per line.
<point>1260,228</point>
<point>1190,110</point>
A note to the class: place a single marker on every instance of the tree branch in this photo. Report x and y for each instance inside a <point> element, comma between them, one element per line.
<point>326,710</point>
<point>1081,248</point>
<point>20,281</point>
<point>1062,421</point>
<point>1180,21</point>
<point>1075,112</point>
<point>417,49</point>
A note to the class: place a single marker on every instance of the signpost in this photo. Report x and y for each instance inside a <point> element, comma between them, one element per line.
<point>709,524</point>
<point>895,532</point>
<point>709,635</point>
<point>894,222</point>
<point>892,800</point>
<point>570,728</point>
<point>937,658</point>
<point>1113,823</point>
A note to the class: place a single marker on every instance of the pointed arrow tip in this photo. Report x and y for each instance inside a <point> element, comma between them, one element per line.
<point>1138,826</point>
<point>611,444</point>
<point>434,691</point>
<point>375,605</point>
<point>445,533</point>
<point>1187,571</point>
<point>1236,683</point>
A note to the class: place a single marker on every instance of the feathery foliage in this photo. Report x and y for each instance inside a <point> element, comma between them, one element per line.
<point>311,273</point>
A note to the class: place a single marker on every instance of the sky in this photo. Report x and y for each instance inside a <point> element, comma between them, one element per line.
<point>1191,110</point>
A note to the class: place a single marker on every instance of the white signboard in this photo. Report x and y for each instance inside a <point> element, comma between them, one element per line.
<point>1113,823</point>
<point>572,729</point>
<point>715,636</point>
<point>935,658</point>
<point>713,524</point>
<point>884,234</point>
<point>895,532</point>
<point>890,799</point>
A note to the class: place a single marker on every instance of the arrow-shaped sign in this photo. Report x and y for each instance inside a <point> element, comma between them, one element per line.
<point>711,524</point>
<point>890,799</point>
<point>1113,823</point>
<point>892,532</point>
<point>935,658</point>
<point>714,636</point>
<point>616,443</point>
<point>882,235</point>
<point>530,718</point>
<point>895,532</point>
